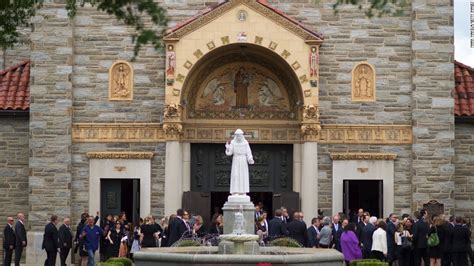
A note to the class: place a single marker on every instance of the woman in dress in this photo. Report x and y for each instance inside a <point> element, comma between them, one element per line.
<point>217,225</point>
<point>350,244</point>
<point>326,236</point>
<point>198,227</point>
<point>150,233</point>
<point>137,231</point>
<point>436,253</point>
<point>115,238</point>
<point>261,229</point>
<point>379,242</point>
<point>406,251</point>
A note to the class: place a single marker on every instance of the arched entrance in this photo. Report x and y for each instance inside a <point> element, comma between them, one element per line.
<point>257,72</point>
<point>239,84</point>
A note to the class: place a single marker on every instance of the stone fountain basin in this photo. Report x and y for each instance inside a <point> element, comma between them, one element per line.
<point>209,256</point>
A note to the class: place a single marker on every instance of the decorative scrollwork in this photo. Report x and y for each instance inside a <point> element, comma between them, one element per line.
<point>310,131</point>
<point>173,130</point>
<point>172,111</point>
<point>120,155</point>
<point>363,156</point>
<point>311,112</point>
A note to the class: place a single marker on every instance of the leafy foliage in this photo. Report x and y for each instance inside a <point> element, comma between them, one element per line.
<point>132,13</point>
<point>285,242</point>
<point>375,7</point>
<point>187,243</point>
<point>15,14</point>
<point>119,262</point>
<point>145,16</point>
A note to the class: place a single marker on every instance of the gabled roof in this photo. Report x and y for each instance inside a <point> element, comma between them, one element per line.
<point>261,6</point>
<point>463,90</point>
<point>15,87</point>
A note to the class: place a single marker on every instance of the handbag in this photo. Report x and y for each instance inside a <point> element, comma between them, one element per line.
<point>406,243</point>
<point>433,239</point>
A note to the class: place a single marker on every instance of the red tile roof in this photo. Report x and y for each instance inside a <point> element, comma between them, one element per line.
<point>262,2</point>
<point>15,87</point>
<point>463,90</point>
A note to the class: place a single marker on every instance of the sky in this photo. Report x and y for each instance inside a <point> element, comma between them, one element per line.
<point>462,32</point>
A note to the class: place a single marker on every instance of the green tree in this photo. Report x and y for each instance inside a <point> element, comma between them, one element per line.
<point>15,14</point>
<point>374,7</point>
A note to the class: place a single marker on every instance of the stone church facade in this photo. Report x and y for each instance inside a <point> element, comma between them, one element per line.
<point>330,102</point>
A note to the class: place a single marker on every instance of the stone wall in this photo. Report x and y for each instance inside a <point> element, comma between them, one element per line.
<point>70,85</point>
<point>99,40</point>
<point>350,38</point>
<point>50,116</point>
<point>13,168</point>
<point>433,104</point>
<point>464,161</point>
<point>19,53</point>
<point>402,172</point>
<point>80,172</point>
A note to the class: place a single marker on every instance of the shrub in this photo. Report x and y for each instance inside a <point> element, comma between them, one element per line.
<point>285,242</point>
<point>118,262</point>
<point>368,262</point>
<point>187,243</point>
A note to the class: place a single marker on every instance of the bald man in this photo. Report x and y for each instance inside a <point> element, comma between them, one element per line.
<point>20,236</point>
<point>8,241</point>
<point>65,240</point>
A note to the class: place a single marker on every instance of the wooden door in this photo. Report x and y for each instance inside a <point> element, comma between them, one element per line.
<point>110,196</point>
<point>289,199</point>
<point>198,203</point>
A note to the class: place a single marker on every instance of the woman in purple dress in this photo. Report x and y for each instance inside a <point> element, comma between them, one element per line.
<point>350,244</point>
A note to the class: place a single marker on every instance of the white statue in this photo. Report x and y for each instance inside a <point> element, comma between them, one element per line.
<point>242,156</point>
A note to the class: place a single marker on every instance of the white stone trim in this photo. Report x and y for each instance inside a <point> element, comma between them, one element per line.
<point>309,180</point>
<point>120,169</point>
<point>372,170</point>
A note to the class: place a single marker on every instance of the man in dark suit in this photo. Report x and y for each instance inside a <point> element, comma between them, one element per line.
<point>460,243</point>
<point>285,217</point>
<point>276,226</point>
<point>50,241</point>
<point>178,227</point>
<point>391,228</point>
<point>65,240</point>
<point>366,237</point>
<point>336,232</point>
<point>20,238</point>
<point>361,225</point>
<point>313,234</point>
<point>8,241</point>
<point>420,240</point>
<point>297,229</point>
<point>447,259</point>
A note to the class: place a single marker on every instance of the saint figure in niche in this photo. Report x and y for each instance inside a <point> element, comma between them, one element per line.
<point>313,62</point>
<point>363,84</point>
<point>121,88</point>
<point>171,66</point>
<point>241,84</point>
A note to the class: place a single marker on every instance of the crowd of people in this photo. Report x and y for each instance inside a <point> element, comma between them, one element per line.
<point>411,240</point>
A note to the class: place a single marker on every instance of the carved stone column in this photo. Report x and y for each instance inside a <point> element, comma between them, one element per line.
<point>173,129</point>
<point>309,180</point>
<point>310,129</point>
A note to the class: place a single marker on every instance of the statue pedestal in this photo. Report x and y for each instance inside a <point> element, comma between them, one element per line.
<point>232,206</point>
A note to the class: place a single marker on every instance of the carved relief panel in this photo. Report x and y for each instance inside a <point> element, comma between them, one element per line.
<point>363,83</point>
<point>241,89</point>
<point>121,81</point>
